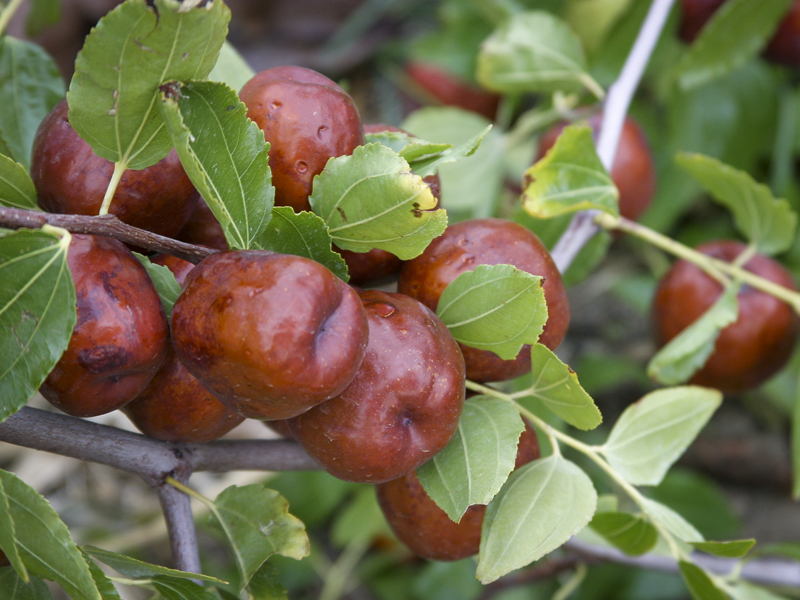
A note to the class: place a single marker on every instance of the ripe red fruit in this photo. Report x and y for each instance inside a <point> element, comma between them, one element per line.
<point>747,352</point>
<point>70,178</point>
<point>307,119</point>
<point>451,90</point>
<point>404,403</point>
<point>633,171</point>
<point>465,245</point>
<point>425,528</point>
<point>120,338</point>
<point>270,335</point>
<point>203,229</point>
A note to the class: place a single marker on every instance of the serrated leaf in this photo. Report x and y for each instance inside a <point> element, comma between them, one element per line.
<point>137,569</point>
<point>688,351</point>
<point>44,542</point>
<point>533,52</point>
<point>37,313</point>
<point>672,521</point>
<point>16,186</point>
<point>257,524</point>
<point>494,307</point>
<point>409,147</point>
<point>569,178</point>
<point>164,281</point>
<point>765,221</point>
<point>42,14</point>
<point>8,536</point>
<point>651,434</point>
<point>630,533</point>
<point>131,51</point>
<point>541,506</point>
<point>371,199</point>
<point>104,584</point>
<point>700,584</point>
<point>30,86</point>
<point>428,165</point>
<point>303,234</point>
<point>225,156</point>
<point>266,585</point>
<point>730,549</point>
<point>479,458</point>
<point>180,589</point>
<point>231,68</point>
<point>734,34</point>
<point>13,588</point>
<point>557,387</point>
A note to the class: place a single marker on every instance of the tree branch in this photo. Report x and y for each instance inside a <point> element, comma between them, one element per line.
<point>177,510</point>
<point>108,226</point>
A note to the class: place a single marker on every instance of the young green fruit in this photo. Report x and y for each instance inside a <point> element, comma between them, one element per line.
<point>750,350</point>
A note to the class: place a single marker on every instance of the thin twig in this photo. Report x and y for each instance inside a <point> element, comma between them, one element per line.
<point>177,510</point>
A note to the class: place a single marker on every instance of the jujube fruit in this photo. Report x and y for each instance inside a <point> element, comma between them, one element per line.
<point>270,335</point>
<point>465,245</point>
<point>121,335</point>
<point>203,229</point>
<point>70,178</point>
<point>404,403</point>
<point>750,350</point>
<point>424,528</point>
<point>452,90</point>
<point>307,119</point>
<point>633,171</point>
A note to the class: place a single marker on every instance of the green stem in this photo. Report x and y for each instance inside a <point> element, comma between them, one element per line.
<point>340,571</point>
<point>190,492</point>
<point>716,268</point>
<point>573,583</point>
<point>119,169</point>
<point>124,581</point>
<point>592,85</point>
<point>7,13</point>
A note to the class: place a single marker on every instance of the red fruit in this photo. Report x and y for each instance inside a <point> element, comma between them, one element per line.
<point>120,338</point>
<point>203,229</point>
<point>747,352</point>
<point>451,90</point>
<point>70,178</point>
<point>465,245</point>
<point>307,119</point>
<point>180,268</point>
<point>404,403</point>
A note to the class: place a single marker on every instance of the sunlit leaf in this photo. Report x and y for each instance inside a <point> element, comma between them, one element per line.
<point>672,521</point>
<point>474,465</point>
<point>428,165</point>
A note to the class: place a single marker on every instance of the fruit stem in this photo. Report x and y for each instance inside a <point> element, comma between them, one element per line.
<point>188,491</point>
<point>119,169</point>
<point>716,268</point>
<point>7,13</point>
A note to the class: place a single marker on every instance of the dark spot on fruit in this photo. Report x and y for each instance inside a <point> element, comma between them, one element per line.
<point>103,358</point>
<point>301,166</point>
<point>221,303</point>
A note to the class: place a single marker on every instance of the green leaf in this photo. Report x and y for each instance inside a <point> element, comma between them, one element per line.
<point>652,433</point>
<point>30,86</point>
<point>533,52</point>
<point>16,186</point>
<point>231,68</point>
<point>765,221</point>
<point>44,541</point>
<point>541,506</point>
<point>688,351</point>
<point>736,33</point>
<point>371,199</point>
<point>303,234</point>
<point>730,549</point>
<point>266,585</point>
<point>630,533</point>
<point>786,549</point>
<point>476,463</point>
<point>257,524</point>
<point>13,588</point>
<point>104,584</point>
<point>180,589</point>
<point>700,584</point>
<point>741,590</point>
<point>672,521</point>
<point>37,313</point>
<point>129,53</point>
<point>42,14</point>
<point>494,307</point>
<point>428,165</point>
<point>569,178</point>
<point>8,538</point>
<point>557,387</point>
<point>164,281</point>
<point>137,569</point>
<point>409,147</point>
<point>225,156</point>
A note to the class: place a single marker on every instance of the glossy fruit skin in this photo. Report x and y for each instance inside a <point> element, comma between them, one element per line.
<point>467,244</point>
<point>175,407</point>
<point>424,528</point>
<point>403,405</point>
<point>70,178</point>
<point>747,352</point>
<point>633,171</point>
<point>180,268</point>
<point>451,90</point>
<point>203,229</point>
<point>307,119</point>
<point>121,335</point>
<point>270,335</point>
